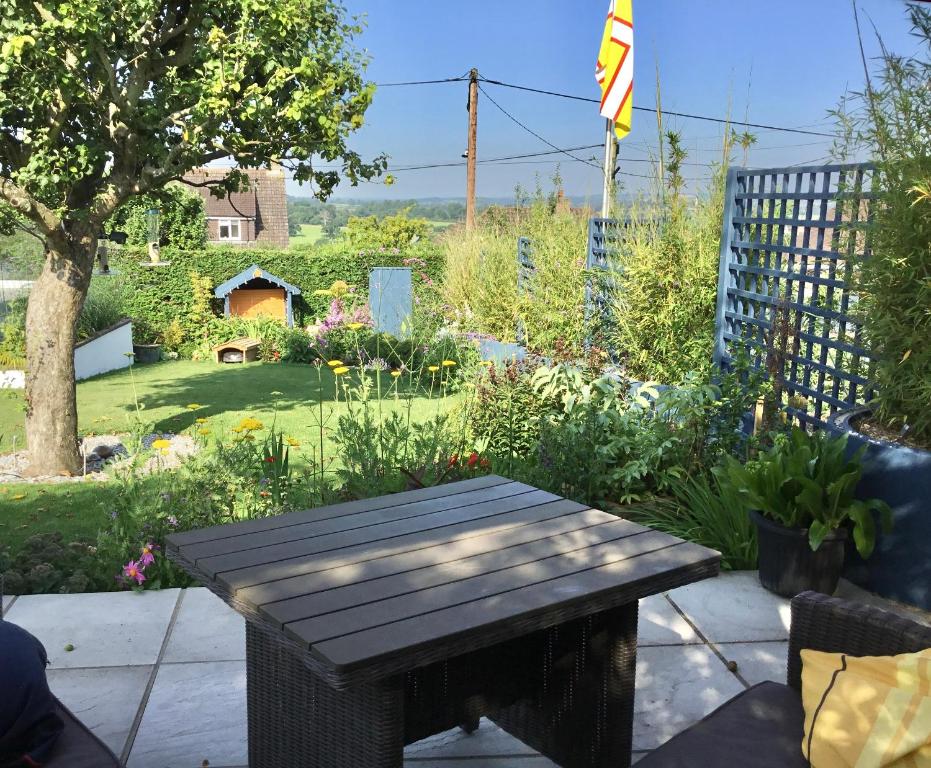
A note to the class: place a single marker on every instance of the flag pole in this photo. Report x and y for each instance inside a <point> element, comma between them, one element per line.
<point>608,169</point>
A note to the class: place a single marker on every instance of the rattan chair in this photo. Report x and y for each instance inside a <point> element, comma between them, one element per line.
<point>763,726</point>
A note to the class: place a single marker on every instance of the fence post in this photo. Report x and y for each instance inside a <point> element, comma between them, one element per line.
<point>724,261</point>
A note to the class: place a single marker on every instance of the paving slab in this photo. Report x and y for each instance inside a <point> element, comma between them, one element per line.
<point>488,742</point>
<point>106,629</point>
<point>105,700</point>
<point>757,662</point>
<point>734,607</point>
<point>661,624</point>
<point>206,629</point>
<point>7,602</point>
<point>677,686</point>
<point>196,712</point>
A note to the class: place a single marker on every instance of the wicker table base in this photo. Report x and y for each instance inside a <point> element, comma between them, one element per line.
<point>566,691</point>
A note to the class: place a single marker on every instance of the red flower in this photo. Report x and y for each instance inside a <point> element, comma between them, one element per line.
<point>473,460</point>
<point>485,464</point>
<point>264,494</point>
<point>453,461</point>
<point>270,459</point>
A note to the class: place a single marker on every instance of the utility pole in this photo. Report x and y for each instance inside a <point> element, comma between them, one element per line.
<point>608,170</point>
<point>470,160</point>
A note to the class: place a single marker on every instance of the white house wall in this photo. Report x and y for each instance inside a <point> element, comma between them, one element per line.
<point>108,352</point>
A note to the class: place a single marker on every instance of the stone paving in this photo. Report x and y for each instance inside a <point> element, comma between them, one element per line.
<point>161,676</point>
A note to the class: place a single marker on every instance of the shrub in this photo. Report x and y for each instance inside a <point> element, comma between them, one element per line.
<point>182,221</point>
<point>666,275</point>
<point>893,285</point>
<point>45,563</point>
<point>102,308</point>
<point>389,232</point>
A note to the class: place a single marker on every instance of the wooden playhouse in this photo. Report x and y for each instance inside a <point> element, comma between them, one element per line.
<point>254,292</point>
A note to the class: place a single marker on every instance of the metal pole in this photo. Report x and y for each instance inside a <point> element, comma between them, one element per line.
<point>608,169</point>
<point>470,161</point>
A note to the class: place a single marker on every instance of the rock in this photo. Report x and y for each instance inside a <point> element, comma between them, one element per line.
<point>103,451</point>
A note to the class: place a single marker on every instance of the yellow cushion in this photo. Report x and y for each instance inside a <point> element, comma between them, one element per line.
<point>867,711</point>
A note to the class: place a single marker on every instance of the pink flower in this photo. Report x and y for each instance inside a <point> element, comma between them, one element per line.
<point>147,556</point>
<point>133,570</point>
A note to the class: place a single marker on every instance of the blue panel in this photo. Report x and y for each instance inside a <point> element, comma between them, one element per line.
<point>390,300</point>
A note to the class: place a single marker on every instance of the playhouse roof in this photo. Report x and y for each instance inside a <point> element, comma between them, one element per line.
<point>252,273</point>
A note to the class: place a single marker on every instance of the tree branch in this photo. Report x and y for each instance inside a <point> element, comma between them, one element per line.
<point>21,201</point>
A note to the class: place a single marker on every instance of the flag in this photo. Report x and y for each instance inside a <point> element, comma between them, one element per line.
<point>615,68</point>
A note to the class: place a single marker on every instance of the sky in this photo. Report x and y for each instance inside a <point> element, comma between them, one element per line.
<point>783,63</point>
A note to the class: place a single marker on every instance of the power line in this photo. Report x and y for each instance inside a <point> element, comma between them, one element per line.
<point>534,133</point>
<point>684,115</point>
<point>421,82</point>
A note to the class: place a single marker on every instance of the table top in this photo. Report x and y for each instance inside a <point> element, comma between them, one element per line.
<point>447,568</point>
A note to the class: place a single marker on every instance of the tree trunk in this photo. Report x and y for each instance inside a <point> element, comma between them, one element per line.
<point>55,304</point>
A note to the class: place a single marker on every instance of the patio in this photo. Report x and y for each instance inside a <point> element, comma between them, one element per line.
<point>160,676</point>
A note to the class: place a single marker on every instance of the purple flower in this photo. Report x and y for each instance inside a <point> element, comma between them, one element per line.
<point>147,557</point>
<point>133,570</point>
<point>114,514</point>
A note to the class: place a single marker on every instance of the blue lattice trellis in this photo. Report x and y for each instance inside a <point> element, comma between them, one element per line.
<point>790,242</point>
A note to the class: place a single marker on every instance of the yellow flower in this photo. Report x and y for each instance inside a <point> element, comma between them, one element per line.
<point>237,430</point>
<point>341,370</point>
<point>449,363</point>
<point>334,363</point>
<point>486,363</point>
<point>433,368</point>
<point>193,406</point>
<point>200,421</point>
<point>292,442</point>
<point>395,374</point>
<point>355,326</point>
<point>203,432</point>
<point>18,497</point>
<point>250,424</point>
<point>161,444</point>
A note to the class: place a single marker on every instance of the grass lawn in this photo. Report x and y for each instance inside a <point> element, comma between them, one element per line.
<point>227,393</point>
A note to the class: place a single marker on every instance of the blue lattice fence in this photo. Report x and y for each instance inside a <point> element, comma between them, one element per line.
<point>789,243</point>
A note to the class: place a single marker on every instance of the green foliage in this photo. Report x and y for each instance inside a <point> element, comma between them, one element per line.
<point>20,255</point>
<point>893,283</point>
<point>662,320</point>
<point>182,221</point>
<point>46,564</point>
<point>707,511</point>
<point>398,231</point>
<point>156,296</point>
<point>481,276</point>
<point>103,307</point>
<point>807,481</point>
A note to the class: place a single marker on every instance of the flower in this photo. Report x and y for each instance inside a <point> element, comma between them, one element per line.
<point>293,442</point>
<point>249,424</point>
<point>237,430</point>
<point>203,432</point>
<point>449,363</point>
<point>485,464</point>
<point>453,461</point>
<point>172,521</point>
<point>269,459</point>
<point>161,444</point>
<point>147,556</point>
<point>193,406</point>
<point>473,460</point>
<point>486,363</point>
<point>341,370</point>
<point>200,421</point>
<point>355,326</point>
<point>395,374</point>
<point>264,494</point>
<point>433,368</point>
<point>133,570</point>
<point>335,363</point>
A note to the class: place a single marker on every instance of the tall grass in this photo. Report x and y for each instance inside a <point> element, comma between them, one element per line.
<point>103,306</point>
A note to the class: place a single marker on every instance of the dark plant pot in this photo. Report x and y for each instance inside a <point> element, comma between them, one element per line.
<point>789,566</point>
<point>147,353</point>
<point>900,566</point>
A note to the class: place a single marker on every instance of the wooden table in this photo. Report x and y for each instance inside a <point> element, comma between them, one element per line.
<point>375,623</point>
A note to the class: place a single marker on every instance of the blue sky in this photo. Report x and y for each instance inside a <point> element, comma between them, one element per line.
<point>783,63</point>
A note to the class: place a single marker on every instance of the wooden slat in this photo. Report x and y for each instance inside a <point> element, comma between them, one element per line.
<point>455,569</point>
<point>276,557</point>
<point>178,540</point>
<point>524,604</point>
<point>353,521</point>
<point>360,564</point>
<point>565,560</point>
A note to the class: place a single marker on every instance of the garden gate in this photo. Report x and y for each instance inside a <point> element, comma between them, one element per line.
<point>789,243</point>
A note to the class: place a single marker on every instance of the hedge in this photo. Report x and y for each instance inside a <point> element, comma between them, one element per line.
<point>156,296</point>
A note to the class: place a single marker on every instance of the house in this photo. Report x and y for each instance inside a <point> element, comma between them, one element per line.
<point>257,216</point>
<point>255,292</point>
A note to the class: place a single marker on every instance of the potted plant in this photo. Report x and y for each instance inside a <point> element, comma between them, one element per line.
<point>800,495</point>
<point>894,303</point>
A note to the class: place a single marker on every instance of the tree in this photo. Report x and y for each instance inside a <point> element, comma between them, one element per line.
<point>182,221</point>
<point>103,100</point>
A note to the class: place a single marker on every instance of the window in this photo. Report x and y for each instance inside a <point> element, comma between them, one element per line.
<point>228,229</point>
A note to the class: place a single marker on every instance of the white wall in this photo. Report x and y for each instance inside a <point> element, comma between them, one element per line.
<point>107,352</point>
<point>12,379</point>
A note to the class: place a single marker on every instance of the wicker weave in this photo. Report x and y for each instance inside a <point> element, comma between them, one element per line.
<point>823,623</point>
